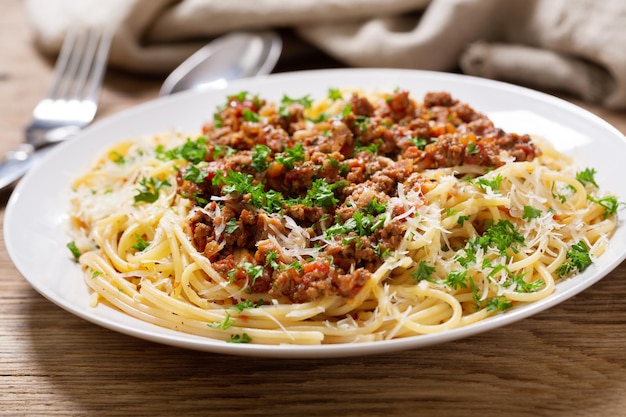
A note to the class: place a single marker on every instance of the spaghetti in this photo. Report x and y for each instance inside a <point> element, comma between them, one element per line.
<point>352,218</point>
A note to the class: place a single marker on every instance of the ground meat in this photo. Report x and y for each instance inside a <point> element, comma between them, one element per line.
<point>296,206</point>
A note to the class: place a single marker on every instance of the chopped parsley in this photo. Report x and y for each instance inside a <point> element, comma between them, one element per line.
<point>291,156</point>
<point>283,110</point>
<point>423,272</point>
<point>609,203</point>
<point>226,323</point>
<point>240,338</point>
<point>322,193</point>
<point>530,213</point>
<point>334,94</point>
<point>484,183</point>
<point>150,187</point>
<point>587,176</point>
<point>74,249</point>
<point>578,260</point>
<point>220,151</point>
<point>231,226</point>
<point>561,197</point>
<point>254,271</point>
<point>498,303</point>
<point>419,142</point>
<point>193,151</point>
<point>117,157</point>
<point>246,304</point>
<point>250,116</point>
<point>140,244</point>
<point>374,207</point>
<point>501,236</point>
<point>456,279</point>
<point>217,120</point>
<point>194,174</point>
<point>461,220</point>
<point>362,122</point>
<point>515,281</point>
<point>271,259</point>
<point>346,110</point>
<point>260,154</point>
<point>472,149</point>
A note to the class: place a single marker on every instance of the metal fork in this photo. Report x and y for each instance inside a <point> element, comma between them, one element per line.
<point>70,104</point>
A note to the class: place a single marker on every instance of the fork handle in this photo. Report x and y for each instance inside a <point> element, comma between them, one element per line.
<point>40,135</point>
<point>15,165</point>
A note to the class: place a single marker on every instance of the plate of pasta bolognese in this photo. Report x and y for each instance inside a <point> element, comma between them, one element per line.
<point>324,213</point>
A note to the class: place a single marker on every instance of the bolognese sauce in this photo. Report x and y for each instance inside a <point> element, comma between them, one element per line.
<point>297,204</point>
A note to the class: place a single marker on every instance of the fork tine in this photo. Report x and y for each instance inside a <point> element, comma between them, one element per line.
<point>81,64</point>
<point>60,68</point>
<point>94,82</point>
<point>72,100</point>
<point>63,89</point>
<point>84,67</point>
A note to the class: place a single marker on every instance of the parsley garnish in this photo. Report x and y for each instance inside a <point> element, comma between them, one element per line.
<point>283,110</point>
<point>374,207</point>
<point>456,279</point>
<point>117,157</point>
<point>334,94</point>
<point>423,272</point>
<point>291,155</point>
<point>347,110</point>
<point>609,203</point>
<point>193,151</point>
<point>578,260</point>
<point>498,303</point>
<point>562,198</point>
<point>472,148</point>
<point>246,304</point>
<point>226,323</point>
<point>259,155</point>
<point>250,116</point>
<point>530,213</point>
<point>419,142</point>
<point>241,96</point>
<point>362,122</point>
<point>222,150</point>
<point>217,120</point>
<point>141,244</point>
<point>493,184</point>
<point>501,235</point>
<point>322,193</point>
<point>194,174</point>
<point>231,226</point>
<point>271,259</point>
<point>74,249</point>
<point>240,338</point>
<point>513,280</point>
<point>371,148</point>
<point>149,191</point>
<point>254,271</point>
<point>587,176</point>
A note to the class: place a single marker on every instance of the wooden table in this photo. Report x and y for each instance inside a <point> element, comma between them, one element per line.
<point>568,361</point>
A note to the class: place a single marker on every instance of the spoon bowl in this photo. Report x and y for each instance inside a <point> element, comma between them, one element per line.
<point>232,56</point>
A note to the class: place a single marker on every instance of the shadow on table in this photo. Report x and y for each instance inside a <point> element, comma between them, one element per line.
<point>539,366</point>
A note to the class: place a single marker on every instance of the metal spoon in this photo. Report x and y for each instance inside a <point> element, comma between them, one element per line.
<point>232,56</point>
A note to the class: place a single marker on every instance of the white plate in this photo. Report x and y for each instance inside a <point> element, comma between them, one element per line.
<point>36,220</point>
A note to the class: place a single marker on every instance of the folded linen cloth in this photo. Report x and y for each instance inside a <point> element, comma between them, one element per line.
<point>575,46</point>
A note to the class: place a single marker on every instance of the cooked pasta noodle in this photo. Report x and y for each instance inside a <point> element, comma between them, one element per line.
<point>162,234</point>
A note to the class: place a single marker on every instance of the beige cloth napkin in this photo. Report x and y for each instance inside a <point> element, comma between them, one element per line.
<point>575,46</point>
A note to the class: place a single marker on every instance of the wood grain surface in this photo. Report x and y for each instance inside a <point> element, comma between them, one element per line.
<point>568,361</point>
